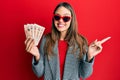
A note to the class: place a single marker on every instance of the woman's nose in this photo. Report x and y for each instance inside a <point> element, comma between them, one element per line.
<point>61,20</point>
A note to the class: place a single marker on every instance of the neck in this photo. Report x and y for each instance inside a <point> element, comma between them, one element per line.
<point>62,35</point>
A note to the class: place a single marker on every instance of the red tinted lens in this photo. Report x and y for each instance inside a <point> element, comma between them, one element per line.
<point>57,17</point>
<point>66,18</point>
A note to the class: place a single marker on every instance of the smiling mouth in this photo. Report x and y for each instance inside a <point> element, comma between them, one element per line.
<point>61,25</point>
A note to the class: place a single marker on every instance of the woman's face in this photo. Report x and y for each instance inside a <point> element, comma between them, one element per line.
<point>62,19</point>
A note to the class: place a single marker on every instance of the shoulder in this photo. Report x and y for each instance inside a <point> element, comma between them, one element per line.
<point>82,37</point>
<point>84,42</point>
<point>48,35</point>
<point>45,36</point>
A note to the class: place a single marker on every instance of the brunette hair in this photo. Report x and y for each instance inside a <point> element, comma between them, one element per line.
<point>72,36</point>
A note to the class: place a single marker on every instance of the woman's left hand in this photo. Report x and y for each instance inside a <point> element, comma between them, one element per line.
<point>95,48</point>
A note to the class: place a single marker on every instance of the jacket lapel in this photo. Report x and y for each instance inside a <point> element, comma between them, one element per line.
<point>67,74</point>
<point>54,63</point>
<point>68,67</point>
<point>70,63</point>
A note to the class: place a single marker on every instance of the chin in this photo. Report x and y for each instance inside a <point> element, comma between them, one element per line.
<point>61,30</point>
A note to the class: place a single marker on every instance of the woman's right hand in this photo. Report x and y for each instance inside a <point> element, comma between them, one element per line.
<point>32,48</point>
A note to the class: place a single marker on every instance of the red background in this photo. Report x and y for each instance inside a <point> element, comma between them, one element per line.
<point>96,19</point>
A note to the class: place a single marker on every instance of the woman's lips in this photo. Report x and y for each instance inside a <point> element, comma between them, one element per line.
<point>60,25</point>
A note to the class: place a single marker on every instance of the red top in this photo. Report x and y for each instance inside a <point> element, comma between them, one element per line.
<point>62,47</point>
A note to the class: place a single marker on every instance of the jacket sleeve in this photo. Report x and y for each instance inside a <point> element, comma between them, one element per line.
<point>38,67</point>
<point>86,68</point>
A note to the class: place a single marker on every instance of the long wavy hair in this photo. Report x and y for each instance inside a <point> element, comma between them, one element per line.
<point>72,36</point>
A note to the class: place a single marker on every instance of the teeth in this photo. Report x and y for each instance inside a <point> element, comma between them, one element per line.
<point>61,25</point>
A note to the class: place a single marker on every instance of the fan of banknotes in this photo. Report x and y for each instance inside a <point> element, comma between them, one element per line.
<point>34,31</point>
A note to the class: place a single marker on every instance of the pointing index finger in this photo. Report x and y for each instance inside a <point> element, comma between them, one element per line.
<point>104,40</point>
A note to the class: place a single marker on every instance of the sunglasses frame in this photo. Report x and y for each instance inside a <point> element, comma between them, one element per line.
<point>62,17</point>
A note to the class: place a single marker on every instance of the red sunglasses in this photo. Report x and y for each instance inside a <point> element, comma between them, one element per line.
<point>64,18</point>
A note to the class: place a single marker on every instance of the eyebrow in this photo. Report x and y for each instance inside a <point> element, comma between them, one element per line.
<point>64,14</point>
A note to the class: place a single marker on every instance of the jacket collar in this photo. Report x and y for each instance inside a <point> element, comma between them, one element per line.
<point>54,62</point>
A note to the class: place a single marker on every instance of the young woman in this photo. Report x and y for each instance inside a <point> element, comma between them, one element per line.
<point>64,54</point>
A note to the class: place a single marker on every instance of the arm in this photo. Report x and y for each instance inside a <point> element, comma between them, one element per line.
<point>38,66</point>
<point>87,62</point>
<point>85,67</point>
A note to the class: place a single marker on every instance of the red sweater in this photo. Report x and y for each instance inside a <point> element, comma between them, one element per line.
<point>62,47</point>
